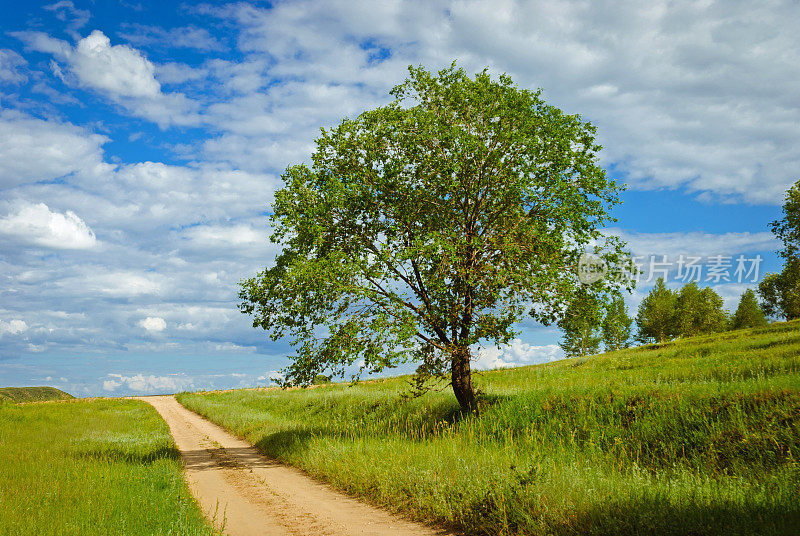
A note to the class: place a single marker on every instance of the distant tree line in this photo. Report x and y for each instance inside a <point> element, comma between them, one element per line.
<point>664,314</point>
<point>667,314</point>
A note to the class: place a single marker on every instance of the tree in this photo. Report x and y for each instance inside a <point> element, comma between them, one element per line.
<point>698,311</point>
<point>748,314</point>
<point>788,227</point>
<point>581,324</point>
<point>616,324</point>
<point>429,225</point>
<point>780,293</point>
<point>655,318</point>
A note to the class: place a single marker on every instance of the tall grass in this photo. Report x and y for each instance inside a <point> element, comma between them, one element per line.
<point>91,467</point>
<point>699,436</point>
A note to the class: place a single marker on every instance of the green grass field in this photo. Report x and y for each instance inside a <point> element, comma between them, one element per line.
<point>32,394</point>
<point>700,436</point>
<point>91,467</point>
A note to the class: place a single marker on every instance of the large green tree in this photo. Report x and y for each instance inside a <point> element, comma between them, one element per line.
<point>780,293</point>
<point>431,224</point>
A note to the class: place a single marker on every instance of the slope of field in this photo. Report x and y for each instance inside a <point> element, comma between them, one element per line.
<point>700,436</point>
<point>32,394</point>
<point>91,467</point>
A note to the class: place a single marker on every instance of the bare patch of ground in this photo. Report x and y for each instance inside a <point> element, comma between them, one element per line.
<point>245,493</point>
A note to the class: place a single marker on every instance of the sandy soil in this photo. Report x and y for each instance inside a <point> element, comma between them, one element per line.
<point>246,493</point>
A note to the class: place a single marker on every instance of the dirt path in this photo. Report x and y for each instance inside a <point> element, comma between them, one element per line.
<point>253,494</point>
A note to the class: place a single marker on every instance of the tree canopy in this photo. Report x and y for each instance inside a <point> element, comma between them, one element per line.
<point>780,293</point>
<point>699,311</point>
<point>429,225</point>
<point>665,314</point>
<point>748,314</point>
<point>581,324</point>
<point>616,324</point>
<point>656,315</point>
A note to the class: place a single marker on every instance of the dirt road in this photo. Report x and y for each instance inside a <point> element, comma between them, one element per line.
<point>252,494</point>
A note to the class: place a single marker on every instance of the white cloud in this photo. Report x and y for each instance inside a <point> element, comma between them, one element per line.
<point>12,327</point>
<point>66,11</point>
<point>149,383</point>
<point>271,376</point>
<point>696,243</point>
<point>123,283</point>
<point>231,235</point>
<point>111,385</point>
<point>34,150</point>
<point>10,63</point>
<point>120,72</point>
<point>516,354</point>
<point>119,69</point>
<point>687,95</point>
<point>183,37</point>
<point>41,42</point>
<point>37,224</point>
<point>153,324</point>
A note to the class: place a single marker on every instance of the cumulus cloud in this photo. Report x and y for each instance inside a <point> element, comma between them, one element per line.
<point>516,354</point>
<point>119,69</point>
<point>148,383</point>
<point>33,150</point>
<point>153,324</point>
<point>688,96</point>
<point>37,224</point>
<point>12,327</point>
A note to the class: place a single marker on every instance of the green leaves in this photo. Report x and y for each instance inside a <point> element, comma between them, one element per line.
<point>436,221</point>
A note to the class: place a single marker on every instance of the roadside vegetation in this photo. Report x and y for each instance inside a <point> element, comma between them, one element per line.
<point>696,436</point>
<point>32,394</point>
<point>91,467</point>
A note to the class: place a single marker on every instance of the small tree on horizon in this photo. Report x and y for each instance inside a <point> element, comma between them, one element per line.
<point>581,324</point>
<point>429,225</point>
<point>699,311</point>
<point>616,325</point>
<point>655,318</point>
<point>748,314</point>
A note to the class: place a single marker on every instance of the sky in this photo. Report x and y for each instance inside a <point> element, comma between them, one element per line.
<point>141,144</point>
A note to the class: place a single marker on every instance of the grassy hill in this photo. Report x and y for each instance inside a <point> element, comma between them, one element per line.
<point>32,394</point>
<point>698,436</point>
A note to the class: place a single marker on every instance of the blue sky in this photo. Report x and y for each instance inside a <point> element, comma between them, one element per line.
<point>141,144</point>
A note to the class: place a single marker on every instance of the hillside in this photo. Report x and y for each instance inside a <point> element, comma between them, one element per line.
<point>32,394</point>
<point>698,436</point>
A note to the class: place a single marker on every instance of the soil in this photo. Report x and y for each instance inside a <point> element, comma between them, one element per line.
<point>244,492</point>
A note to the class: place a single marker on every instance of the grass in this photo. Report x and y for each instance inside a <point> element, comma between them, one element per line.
<point>700,436</point>
<point>92,467</point>
<point>32,394</point>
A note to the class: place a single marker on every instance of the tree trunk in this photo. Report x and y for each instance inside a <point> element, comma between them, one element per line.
<point>461,378</point>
